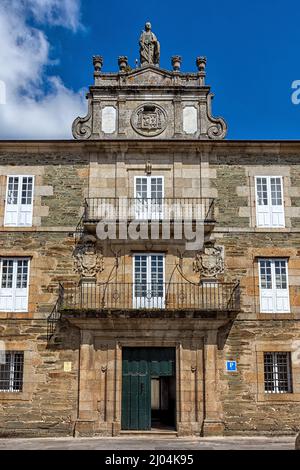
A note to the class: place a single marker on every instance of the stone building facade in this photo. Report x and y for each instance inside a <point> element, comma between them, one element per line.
<point>103,335</point>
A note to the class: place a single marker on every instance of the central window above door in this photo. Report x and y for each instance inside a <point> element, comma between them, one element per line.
<point>149,280</point>
<point>149,194</point>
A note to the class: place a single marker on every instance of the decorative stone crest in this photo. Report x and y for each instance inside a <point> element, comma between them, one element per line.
<point>88,259</point>
<point>210,262</point>
<point>149,120</point>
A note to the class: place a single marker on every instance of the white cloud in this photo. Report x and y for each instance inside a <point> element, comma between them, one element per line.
<point>56,12</point>
<point>30,112</point>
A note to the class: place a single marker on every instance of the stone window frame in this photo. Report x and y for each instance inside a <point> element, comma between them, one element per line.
<point>272,260</point>
<point>281,253</point>
<point>284,173</point>
<point>20,178</point>
<point>28,373</point>
<point>15,260</point>
<point>268,346</point>
<point>39,210</point>
<point>134,171</point>
<point>269,197</point>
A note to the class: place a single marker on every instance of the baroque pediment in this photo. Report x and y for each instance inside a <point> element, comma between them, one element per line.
<point>150,75</point>
<point>148,101</point>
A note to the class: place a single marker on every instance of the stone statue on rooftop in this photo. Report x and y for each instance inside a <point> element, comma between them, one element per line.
<point>149,47</point>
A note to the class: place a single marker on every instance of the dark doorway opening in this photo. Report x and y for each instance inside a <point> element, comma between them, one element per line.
<point>163,401</point>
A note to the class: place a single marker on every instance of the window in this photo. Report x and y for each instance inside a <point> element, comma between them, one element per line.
<point>149,281</point>
<point>14,276</point>
<point>19,201</point>
<point>269,201</point>
<point>278,375</point>
<point>11,372</point>
<point>274,289</point>
<point>149,193</point>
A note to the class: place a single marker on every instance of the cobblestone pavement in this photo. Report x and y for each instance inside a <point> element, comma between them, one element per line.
<point>151,443</point>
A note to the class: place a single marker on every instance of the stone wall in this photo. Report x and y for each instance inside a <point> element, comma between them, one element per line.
<point>247,409</point>
<point>47,406</point>
<point>64,177</point>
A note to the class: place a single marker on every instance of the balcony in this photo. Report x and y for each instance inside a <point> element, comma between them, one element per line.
<point>164,296</point>
<point>164,209</point>
<point>205,300</point>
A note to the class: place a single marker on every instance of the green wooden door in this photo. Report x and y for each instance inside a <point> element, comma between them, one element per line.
<point>139,365</point>
<point>136,400</point>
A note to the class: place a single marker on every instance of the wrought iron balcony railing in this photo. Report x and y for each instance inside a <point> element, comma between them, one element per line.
<point>208,296</point>
<point>173,209</point>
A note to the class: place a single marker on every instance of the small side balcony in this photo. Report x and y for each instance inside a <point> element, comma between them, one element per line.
<point>174,210</point>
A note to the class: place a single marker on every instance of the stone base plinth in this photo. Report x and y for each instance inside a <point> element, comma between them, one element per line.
<point>212,428</point>
<point>116,428</point>
<point>84,428</point>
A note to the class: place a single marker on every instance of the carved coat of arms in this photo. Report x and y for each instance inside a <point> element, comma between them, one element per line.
<point>88,260</point>
<point>149,120</point>
<point>210,262</point>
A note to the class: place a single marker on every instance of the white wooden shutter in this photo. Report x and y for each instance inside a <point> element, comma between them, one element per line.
<point>19,201</point>
<point>281,286</point>
<point>276,202</point>
<point>12,201</point>
<point>141,197</point>
<point>21,285</point>
<point>266,286</point>
<point>6,285</point>
<point>274,290</point>
<point>263,215</point>
<point>26,201</point>
<point>156,195</point>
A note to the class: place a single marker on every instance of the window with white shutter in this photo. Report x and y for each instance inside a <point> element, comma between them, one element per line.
<point>14,280</point>
<point>149,193</point>
<point>274,289</point>
<point>149,280</point>
<point>269,202</point>
<point>19,201</point>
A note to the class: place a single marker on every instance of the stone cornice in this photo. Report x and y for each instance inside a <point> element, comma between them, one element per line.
<point>245,147</point>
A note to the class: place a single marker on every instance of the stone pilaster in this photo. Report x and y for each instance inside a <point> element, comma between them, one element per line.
<point>86,419</point>
<point>212,424</point>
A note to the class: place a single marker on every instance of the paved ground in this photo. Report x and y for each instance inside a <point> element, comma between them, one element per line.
<point>151,443</point>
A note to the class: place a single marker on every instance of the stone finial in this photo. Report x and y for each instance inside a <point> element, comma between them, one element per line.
<point>98,62</point>
<point>123,63</point>
<point>176,62</point>
<point>201,63</point>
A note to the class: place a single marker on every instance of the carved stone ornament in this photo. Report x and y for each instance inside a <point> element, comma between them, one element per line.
<point>88,260</point>
<point>218,128</point>
<point>210,262</point>
<point>149,120</point>
<point>82,126</point>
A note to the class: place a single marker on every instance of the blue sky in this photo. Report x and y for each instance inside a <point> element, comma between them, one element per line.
<point>252,48</point>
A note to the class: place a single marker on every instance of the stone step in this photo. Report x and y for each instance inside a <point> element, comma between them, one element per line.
<point>157,433</point>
